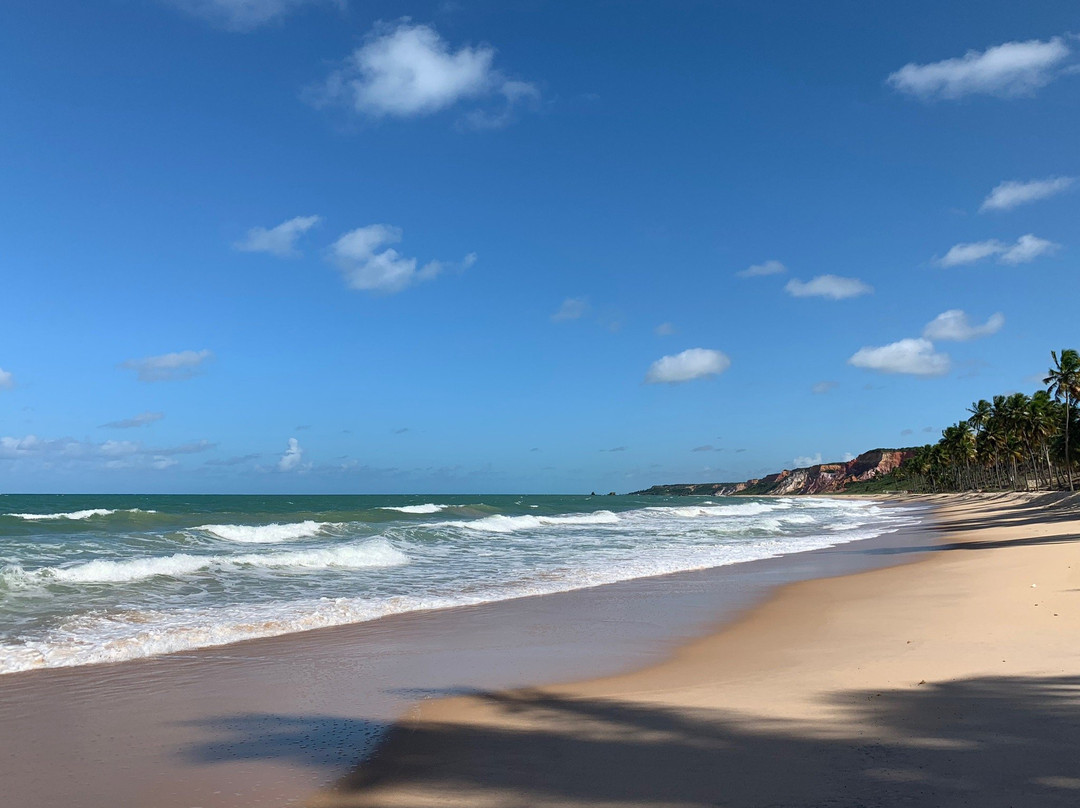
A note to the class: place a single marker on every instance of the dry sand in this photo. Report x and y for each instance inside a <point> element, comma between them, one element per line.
<point>954,681</point>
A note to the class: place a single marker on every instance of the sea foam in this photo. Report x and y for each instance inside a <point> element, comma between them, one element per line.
<point>511,524</point>
<point>429,507</point>
<point>707,510</point>
<point>372,553</point>
<point>265,534</point>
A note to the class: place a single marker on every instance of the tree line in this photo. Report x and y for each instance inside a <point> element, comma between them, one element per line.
<point>1012,442</point>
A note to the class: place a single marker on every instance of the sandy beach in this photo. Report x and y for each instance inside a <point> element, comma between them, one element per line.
<point>268,721</point>
<point>953,681</point>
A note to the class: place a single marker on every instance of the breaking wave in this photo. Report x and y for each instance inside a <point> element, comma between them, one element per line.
<point>512,524</point>
<point>76,515</point>
<point>372,553</point>
<point>429,507</point>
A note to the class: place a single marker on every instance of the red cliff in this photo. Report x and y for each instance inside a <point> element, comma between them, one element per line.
<point>824,478</point>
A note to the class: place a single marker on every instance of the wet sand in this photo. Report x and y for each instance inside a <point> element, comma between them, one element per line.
<point>268,722</point>
<point>954,681</point>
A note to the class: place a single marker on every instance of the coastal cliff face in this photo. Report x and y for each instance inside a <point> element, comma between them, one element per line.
<point>824,478</point>
<point>696,489</point>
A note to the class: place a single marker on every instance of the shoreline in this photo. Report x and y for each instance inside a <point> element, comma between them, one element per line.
<point>267,721</point>
<point>410,565</point>
<point>952,681</point>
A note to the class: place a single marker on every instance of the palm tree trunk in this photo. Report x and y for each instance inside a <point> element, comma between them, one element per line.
<point>1068,460</point>
<point>1035,470</point>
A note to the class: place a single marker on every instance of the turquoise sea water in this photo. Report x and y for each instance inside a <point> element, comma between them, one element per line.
<point>91,579</point>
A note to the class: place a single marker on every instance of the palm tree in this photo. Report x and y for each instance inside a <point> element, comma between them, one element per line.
<point>1040,414</point>
<point>1011,441</point>
<point>1016,408</point>
<point>959,446</point>
<point>920,466</point>
<point>980,414</point>
<point>1064,382</point>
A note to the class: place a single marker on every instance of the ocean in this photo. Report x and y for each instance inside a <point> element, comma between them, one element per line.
<point>97,579</point>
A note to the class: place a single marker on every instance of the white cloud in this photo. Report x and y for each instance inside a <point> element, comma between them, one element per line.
<point>367,262</point>
<point>695,363</point>
<point>14,448</point>
<point>32,451</point>
<point>7,379</point>
<point>970,252</point>
<point>244,15</point>
<point>953,325</point>
<point>1010,69</point>
<point>767,268</point>
<point>1026,249</point>
<point>831,286</point>
<point>280,240</point>
<point>664,330</point>
<point>408,70</point>
<point>822,387</point>
<point>142,419</point>
<point>130,449</point>
<point>913,356</point>
<point>573,308</point>
<point>804,462</point>
<point>166,367</point>
<point>118,448</point>
<point>1007,195</point>
<point>292,457</point>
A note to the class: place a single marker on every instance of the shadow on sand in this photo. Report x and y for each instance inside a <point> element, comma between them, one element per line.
<point>996,511</point>
<point>986,742</point>
<point>321,742</point>
<point>1003,510</point>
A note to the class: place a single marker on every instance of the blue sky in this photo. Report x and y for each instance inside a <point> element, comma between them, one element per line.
<point>289,245</point>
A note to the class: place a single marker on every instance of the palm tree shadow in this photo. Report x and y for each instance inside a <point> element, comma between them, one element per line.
<point>992,741</point>
<point>322,742</point>
<point>992,544</point>
<point>1041,509</point>
<point>1044,510</point>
